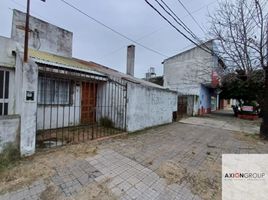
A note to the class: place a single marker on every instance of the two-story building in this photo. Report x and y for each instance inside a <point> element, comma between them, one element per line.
<point>194,74</point>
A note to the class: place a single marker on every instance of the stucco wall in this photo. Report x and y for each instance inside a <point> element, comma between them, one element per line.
<point>7,58</point>
<point>149,107</point>
<point>42,35</point>
<point>9,130</point>
<point>184,72</point>
<point>26,79</point>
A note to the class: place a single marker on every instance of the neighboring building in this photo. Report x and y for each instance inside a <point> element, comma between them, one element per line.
<point>194,75</point>
<point>151,77</point>
<point>55,99</point>
<point>156,80</point>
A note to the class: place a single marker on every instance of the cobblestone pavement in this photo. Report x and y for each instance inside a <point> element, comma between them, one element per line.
<point>132,166</point>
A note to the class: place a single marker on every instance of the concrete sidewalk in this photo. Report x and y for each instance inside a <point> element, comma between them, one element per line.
<point>224,119</point>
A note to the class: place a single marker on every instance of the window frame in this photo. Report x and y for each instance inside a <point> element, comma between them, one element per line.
<point>53,86</point>
<point>5,92</point>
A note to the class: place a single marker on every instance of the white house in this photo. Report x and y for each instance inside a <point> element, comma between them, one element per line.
<point>194,74</point>
<point>55,99</point>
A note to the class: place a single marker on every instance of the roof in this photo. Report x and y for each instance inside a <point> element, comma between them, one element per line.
<point>86,66</point>
<point>59,61</point>
<point>194,47</point>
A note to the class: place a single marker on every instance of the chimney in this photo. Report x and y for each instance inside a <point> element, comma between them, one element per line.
<point>130,59</point>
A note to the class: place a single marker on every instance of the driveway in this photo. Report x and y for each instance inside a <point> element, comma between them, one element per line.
<point>224,119</point>
<point>174,161</point>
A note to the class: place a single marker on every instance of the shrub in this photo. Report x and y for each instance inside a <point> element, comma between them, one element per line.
<point>9,156</point>
<point>106,122</point>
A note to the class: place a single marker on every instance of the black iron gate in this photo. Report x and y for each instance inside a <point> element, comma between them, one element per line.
<point>76,106</point>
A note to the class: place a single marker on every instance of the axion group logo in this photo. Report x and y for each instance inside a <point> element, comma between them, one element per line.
<point>244,176</point>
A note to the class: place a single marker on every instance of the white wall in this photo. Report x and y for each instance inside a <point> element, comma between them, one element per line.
<point>9,130</point>
<point>184,72</point>
<point>26,78</point>
<point>7,46</point>
<point>149,106</point>
<point>42,35</point>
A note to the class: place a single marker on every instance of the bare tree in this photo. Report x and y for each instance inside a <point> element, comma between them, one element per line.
<point>240,27</point>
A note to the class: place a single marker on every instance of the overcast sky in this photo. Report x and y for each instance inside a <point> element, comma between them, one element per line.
<point>133,18</point>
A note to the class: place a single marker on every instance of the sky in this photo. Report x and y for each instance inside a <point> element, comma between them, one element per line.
<point>132,18</point>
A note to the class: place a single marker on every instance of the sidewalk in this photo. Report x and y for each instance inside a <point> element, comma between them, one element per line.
<point>224,119</point>
<point>176,161</point>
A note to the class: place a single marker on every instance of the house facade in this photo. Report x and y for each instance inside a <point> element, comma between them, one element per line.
<point>194,74</point>
<point>55,99</point>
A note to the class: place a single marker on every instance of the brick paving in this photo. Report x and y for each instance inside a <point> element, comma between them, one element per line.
<point>26,193</point>
<point>131,166</point>
<point>130,180</point>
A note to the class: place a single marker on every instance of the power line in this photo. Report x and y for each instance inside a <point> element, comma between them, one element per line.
<point>176,18</point>
<point>156,30</point>
<point>140,38</point>
<point>184,26</point>
<point>111,29</point>
<point>191,16</point>
<point>170,23</point>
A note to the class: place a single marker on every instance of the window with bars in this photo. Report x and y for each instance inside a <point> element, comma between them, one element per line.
<point>4,92</point>
<point>53,91</point>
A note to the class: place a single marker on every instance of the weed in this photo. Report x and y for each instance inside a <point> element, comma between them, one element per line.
<point>9,156</point>
<point>106,122</point>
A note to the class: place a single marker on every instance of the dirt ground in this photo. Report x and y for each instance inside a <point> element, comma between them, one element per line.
<point>42,164</point>
<point>95,191</point>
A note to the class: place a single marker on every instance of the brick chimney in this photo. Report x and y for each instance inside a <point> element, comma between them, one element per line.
<point>130,59</point>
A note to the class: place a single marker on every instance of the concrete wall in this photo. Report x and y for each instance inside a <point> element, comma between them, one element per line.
<point>42,36</point>
<point>149,107</point>
<point>7,58</point>
<point>9,130</point>
<point>185,71</point>
<point>26,79</point>
<point>56,116</point>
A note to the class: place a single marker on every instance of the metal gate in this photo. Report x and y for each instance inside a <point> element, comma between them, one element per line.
<point>76,106</point>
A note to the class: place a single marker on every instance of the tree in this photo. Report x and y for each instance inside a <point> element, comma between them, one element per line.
<point>240,28</point>
<point>240,87</point>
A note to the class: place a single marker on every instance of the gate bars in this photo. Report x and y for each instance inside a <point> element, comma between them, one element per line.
<point>76,106</point>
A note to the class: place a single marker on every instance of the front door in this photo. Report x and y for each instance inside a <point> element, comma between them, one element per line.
<point>88,103</point>
<point>182,106</point>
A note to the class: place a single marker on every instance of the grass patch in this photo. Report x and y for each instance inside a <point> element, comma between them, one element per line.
<point>9,156</point>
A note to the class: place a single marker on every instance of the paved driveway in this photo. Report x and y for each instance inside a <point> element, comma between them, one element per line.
<point>175,161</point>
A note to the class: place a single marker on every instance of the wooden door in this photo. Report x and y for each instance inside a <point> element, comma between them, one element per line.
<point>182,106</point>
<point>88,103</point>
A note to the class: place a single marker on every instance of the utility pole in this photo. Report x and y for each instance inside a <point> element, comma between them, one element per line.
<point>26,39</point>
